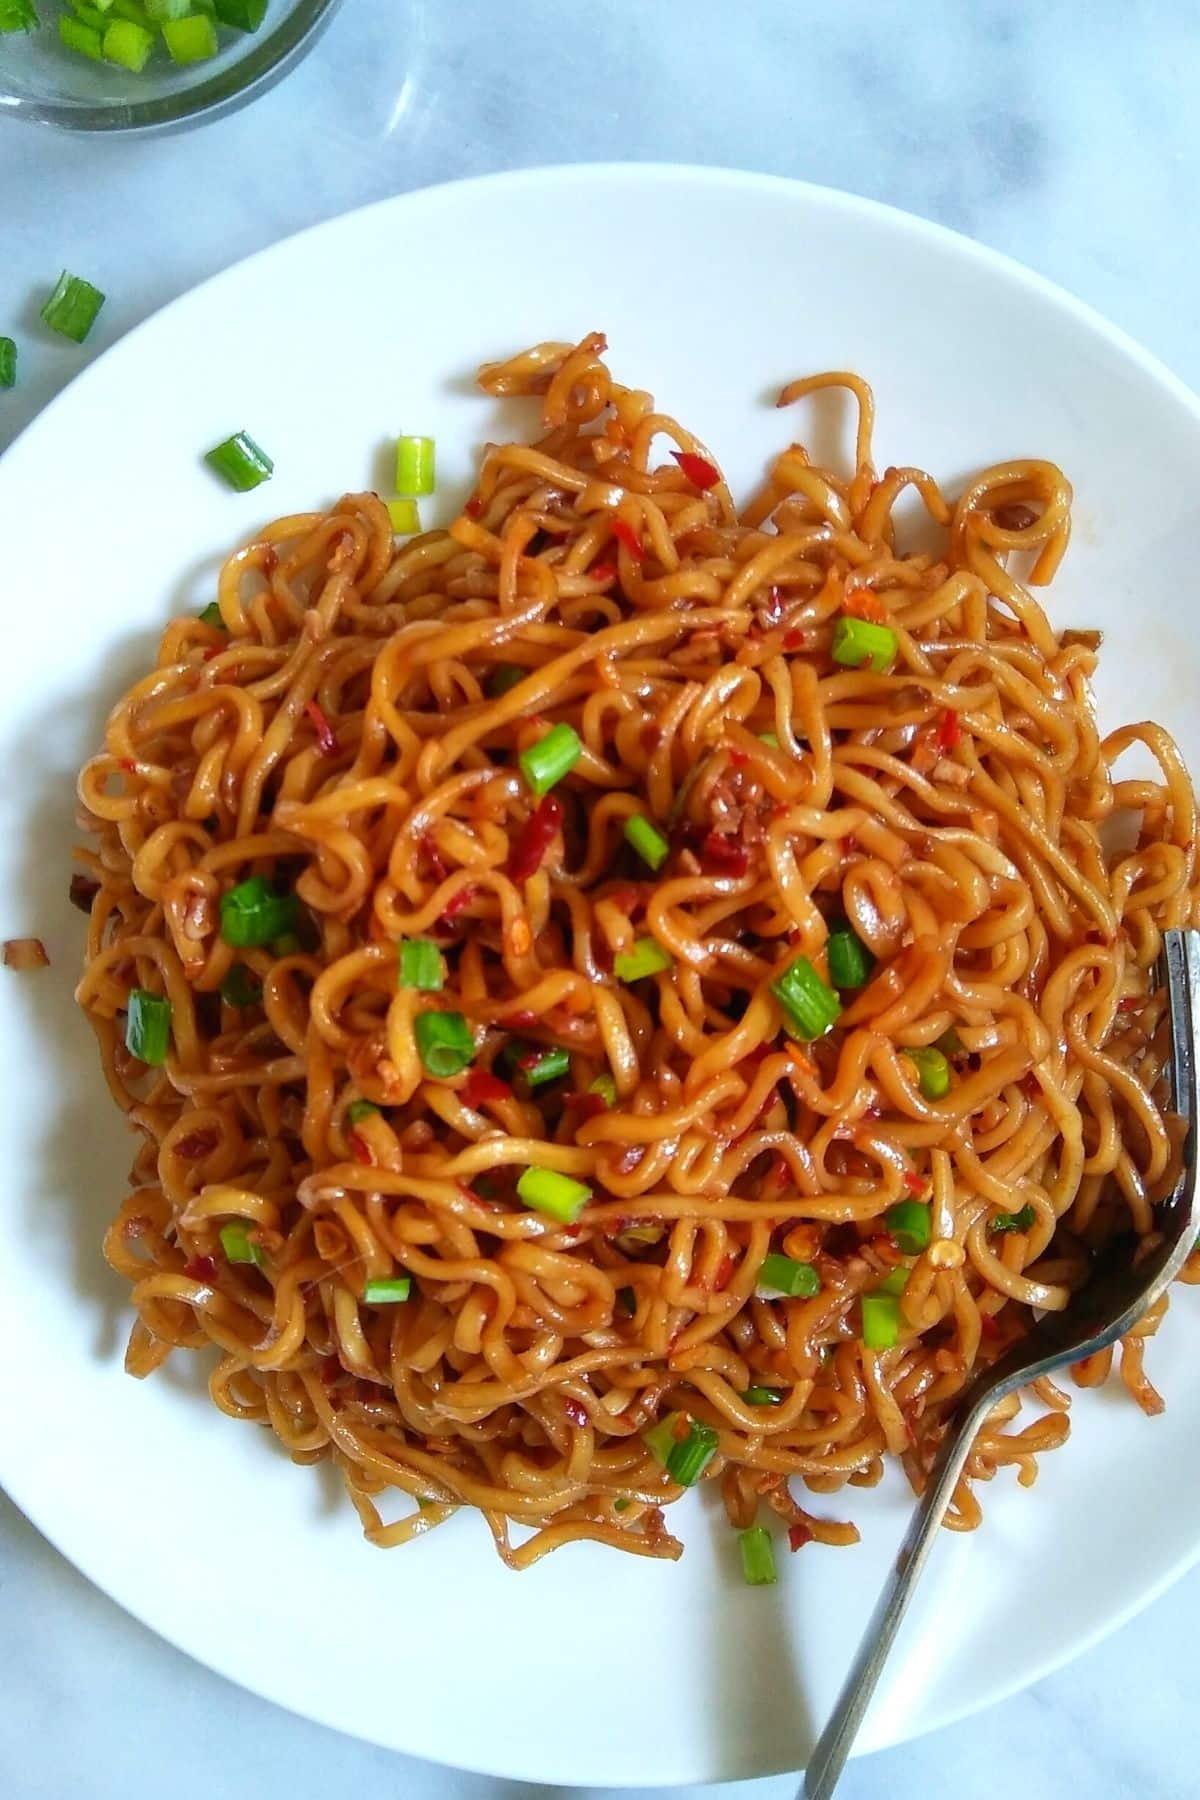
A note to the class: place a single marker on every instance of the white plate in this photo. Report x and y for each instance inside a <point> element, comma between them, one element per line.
<point>713,288</point>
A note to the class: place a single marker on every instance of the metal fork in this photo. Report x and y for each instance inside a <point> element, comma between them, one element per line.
<point>1110,1302</point>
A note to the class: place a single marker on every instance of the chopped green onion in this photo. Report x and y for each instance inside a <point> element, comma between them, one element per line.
<point>91,16</point>
<point>72,307</point>
<point>769,738</point>
<point>606,1087</point>
<point>787,1276</point>
<point>909,1222</point>
<point>414,465</point>
<point>190,40</point>
<point>551,1066</point>
<point>18,15</point>
<point>8,363</point>
<point>132,10</point>
<point>387,1293</point>
<point>162,11</point>
<point>405,517</point>
<point>546,1191</point>
<point>247,15</point>
<point>253,914</point>
<point>546,762</point>
<point>358,1110</point>
<point>850,962</point>
<point>504,677</point>
<point>859,641</point>
<point>1016,1221</point>
<point>933,1072</point>
<point>622,1503</point>
<point>212,616</point>
<point>421,966</point>
<point>148,1027</point>
<point>950,1044</point>
<point>647,840</point>
<point>77,35</point>
<point>685,1458</point>
<point>809,1004</point>
<point>895,1283</point>
<point>646,958</point>
<point>880,1320</point>
<point>627,1300</point>
<point>445,1043</point>
<point>239,987</point>
<point>238,1245</point>
<point>758,1557</point>
<point>128,44</point>
<point>240,462</point>
<point>763,1396</point>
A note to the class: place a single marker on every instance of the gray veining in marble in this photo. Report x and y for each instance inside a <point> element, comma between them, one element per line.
<point>1074,146</point>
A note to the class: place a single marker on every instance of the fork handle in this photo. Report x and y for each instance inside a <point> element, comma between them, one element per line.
<point>829,1755</point>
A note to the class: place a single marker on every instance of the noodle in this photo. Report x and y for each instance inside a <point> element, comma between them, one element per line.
<point>352,731</point>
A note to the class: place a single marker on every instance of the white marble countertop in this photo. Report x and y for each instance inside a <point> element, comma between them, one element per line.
<point>1074,146</point>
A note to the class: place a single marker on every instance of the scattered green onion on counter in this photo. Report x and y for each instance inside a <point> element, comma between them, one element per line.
<point>240,462</point>
<point>758,1557</point>
<point>72,307</point>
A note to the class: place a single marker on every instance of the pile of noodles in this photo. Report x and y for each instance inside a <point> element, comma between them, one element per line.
<point>343,732</point>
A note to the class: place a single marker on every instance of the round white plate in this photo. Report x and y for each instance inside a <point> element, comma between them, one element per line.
<point>714,288</point>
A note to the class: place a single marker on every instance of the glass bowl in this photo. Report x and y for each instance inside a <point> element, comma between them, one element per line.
<point>41,80</point>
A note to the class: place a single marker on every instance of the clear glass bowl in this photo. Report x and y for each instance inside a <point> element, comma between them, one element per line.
<point>43,81</point>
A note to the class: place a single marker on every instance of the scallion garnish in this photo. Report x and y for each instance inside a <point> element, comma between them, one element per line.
<point>128,44</point>
<point>190,39</point>
<point>239,987</point>
<point>445,1043</point>
<point>850,962</point>
<point>240,462</point>
<point>550,1066</point>
<point>388,1293</point>
<point>558,1196</point>
<point>504,677</point>
<point>253,914</point>
<point>82,37</point>
<point>860,641</point>
<point>606,1087</point>
<point>647,840</point>
<point>646,958</point>
<point>18,15</point>
<point>358,1110</point>
<point>893,1283</point>
<point>422,966</point>
<point>8,362</point>
<point>405,517</point>
<point>758,1557</point>
<point>163,10</point>
<point>211,615</point>
<point>933,1072</point>
<point>1014,1221</point>
<point>880,1320</point>
<point>238,1245</point>
<point>909,1223</point>
<point>546,762</point>
<point>247,15</point>
<point>683,1454</point>
<point>148,1027</point>
<point>768,738</point>
<point>415,465</point>
<point>784,1275</point>
<point>763,1396</point>
<point>72,307</point>
<point>809,1004</point>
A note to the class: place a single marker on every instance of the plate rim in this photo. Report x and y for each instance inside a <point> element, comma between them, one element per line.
<point>996,263</point>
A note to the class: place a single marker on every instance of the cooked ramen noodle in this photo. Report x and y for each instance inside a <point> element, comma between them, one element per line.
<point>629,989</point>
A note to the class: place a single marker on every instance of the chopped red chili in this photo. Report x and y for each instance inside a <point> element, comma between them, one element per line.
<point>201,1268</point>
<point>770,607</point>
<point>798,1536</point>
<point>796,639</point>
<point>739,758</point>
<point>481,1086</point>
<point>724,1274</point>
<point>213,650</point>
<point>327,743</point>
<point>474,507</point>
<point>536,836</point>
<point>197,1144</point>
<point>699,471</point>
<point>127,763</point>
<point>720,855</point>
<point>586,1106</point>
<point>522,1020</point>
<point>457,903</point>
<point>82,892</point>
<point>914,1183</point>
<point>949,732</point>
<point>360,1150</point>
<point>433,857</point>
<point>625,534</point>
<point>603,571</point>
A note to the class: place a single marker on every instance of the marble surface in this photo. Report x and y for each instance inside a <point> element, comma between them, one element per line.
<point>1075,147</point>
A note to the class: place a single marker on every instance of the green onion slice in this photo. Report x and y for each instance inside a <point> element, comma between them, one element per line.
<point>247,15</point>
<point>253,914</point>
<point>895,1283</point>
<point>445,1043</point>
<point>388,1293</point>
<point>163,10</point>
<point>1014,1221</point>
<point>18,15</point>
<point>211,615</point>
<point>850,962</point>
<point>558,1196</point>
<point>422,966</point>
<point>763,1396</point>
<point>72,307</point>
<point>358,1110</point>
<point>768,738</point>
<point>405,516</point>
<point>784,1275</point>
<point>504,677</point>
<point>860,641</point>
<point>190,40</point>
<point>240,462</point>
<point>129,45</point>
<point>82,37</point>
<point>239,987</point>
<point>606,1087</point>
<point>880,1320</point>
<point>546,762</point>
<point>647,840</point>
<point>8,363</point>
<point>909,1223</point>
<point>933,1072</point>
<point>809,1004</point>
<point>646,958</point>
<point>415,465</point>
<point>148,1027</point>
<point>552,1065</point>
<point>238,1245</point>
<point>684,1455</point>
<point>758,1557</point>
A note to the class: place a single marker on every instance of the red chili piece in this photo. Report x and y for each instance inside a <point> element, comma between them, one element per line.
<point>433,857</point>
<point>625,534</point>
<point>360,1150</point>
<point>720,855</point>
<point>724,1274</point>
<point>537,834</point>
<point>197,1144</point>
<point>914,1183</point>
<point>474,507</point>
<point>327,744</point>
<point>480,1086</point>
<point>603,571</point>
<point>201,1268</point>
<point>586,1106</point>
<point>699,471</point>
<point>457,903</point>
<point>798,1536</point>
<point>949,732</point>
